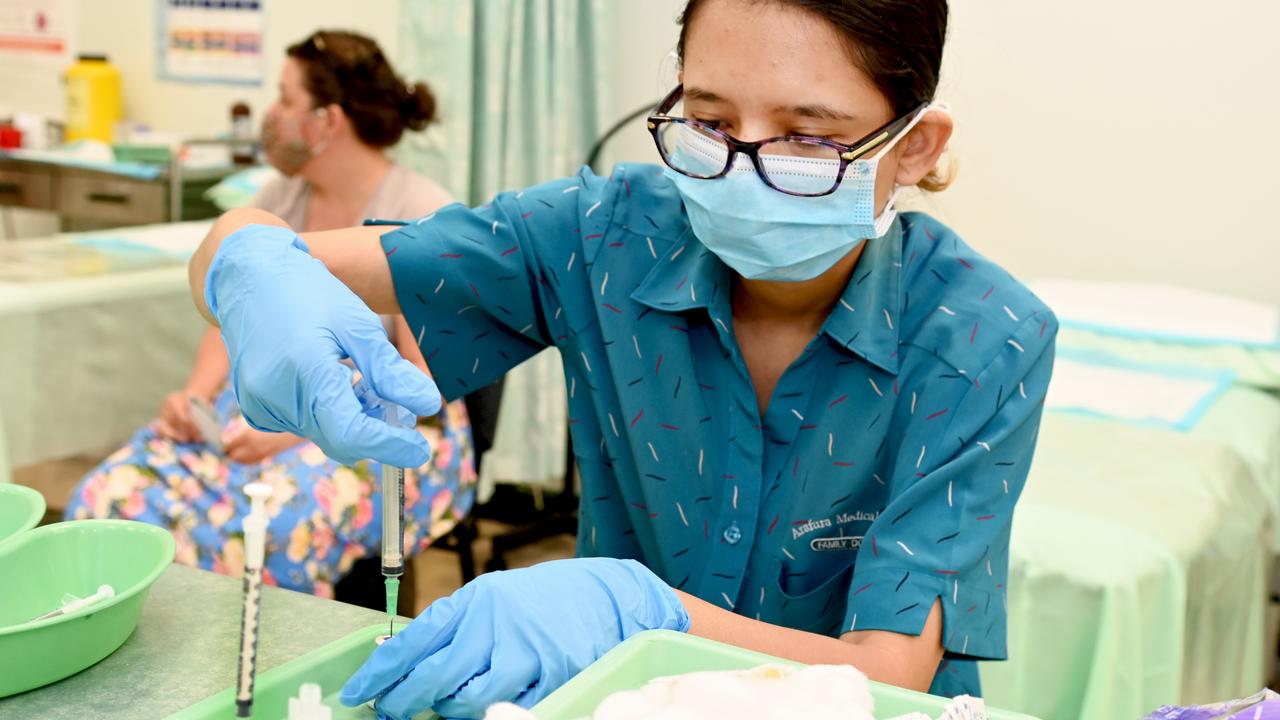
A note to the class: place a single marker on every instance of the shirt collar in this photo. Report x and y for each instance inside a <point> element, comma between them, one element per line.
<point>686,276</point>
<point>864,322</point>
<point>866,319</point>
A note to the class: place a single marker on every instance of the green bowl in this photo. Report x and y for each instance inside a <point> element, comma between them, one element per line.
<point>20,509</point>
<point>41,565</point>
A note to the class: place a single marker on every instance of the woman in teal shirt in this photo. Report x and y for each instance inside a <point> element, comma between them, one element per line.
<point>801,419</point>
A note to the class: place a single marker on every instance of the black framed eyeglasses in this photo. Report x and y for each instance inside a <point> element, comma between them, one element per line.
<point>792,164</point>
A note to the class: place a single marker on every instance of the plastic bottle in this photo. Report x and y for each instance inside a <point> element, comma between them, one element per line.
<point>93,99</point>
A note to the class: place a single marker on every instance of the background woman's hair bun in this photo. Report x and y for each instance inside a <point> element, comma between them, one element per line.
<point>418,106</point>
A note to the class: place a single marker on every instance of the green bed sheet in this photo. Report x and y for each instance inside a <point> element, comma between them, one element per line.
<point>1139,564</point>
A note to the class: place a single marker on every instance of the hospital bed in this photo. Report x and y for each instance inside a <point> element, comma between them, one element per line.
<point>1141,554</point>
<point>95,328</point>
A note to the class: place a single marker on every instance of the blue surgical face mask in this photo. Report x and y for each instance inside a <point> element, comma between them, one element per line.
<point>764,234</point>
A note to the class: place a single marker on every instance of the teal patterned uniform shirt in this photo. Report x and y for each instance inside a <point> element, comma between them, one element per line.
<point>882,477</point>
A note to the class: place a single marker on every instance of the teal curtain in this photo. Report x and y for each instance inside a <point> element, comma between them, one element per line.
<point>522,87</point>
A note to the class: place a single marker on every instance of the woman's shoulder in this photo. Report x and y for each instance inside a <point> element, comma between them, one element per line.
<point>406,193</point>
<point>637,197</point>
<point>954,291</point>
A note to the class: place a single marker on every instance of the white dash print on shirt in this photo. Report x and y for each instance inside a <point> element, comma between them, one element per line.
<point>904,547</point>
<point>875,387</point>
<point>593,208</point>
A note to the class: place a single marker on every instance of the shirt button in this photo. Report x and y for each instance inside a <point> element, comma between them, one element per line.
<point>732,534</point>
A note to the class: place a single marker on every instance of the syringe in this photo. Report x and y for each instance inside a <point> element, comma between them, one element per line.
<point>392,537</point>
<point>392,497</point>
<point>255,540</point>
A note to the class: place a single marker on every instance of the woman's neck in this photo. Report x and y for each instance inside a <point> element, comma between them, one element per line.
<point>348,175</point>
<point>805,303</point>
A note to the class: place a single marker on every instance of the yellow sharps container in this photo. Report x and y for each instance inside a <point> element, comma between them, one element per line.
<point>93,99</point>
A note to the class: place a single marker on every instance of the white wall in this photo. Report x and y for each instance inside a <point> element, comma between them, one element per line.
<point>1097,139</point>
<point>1127,140</point>
<point>126,31</point>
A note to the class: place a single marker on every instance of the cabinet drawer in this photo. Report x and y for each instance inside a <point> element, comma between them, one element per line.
<point>24,189</point>
<point>108,200</point>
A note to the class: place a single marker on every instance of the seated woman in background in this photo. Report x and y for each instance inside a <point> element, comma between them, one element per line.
<point>340,106</point>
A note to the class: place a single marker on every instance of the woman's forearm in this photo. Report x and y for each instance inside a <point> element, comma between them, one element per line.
<point>354,256</point>
<point>211,366</point>
<point>902,660</point>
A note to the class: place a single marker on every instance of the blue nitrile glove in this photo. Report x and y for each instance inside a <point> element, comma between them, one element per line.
<point>287,322</point>
<point>515,636</point>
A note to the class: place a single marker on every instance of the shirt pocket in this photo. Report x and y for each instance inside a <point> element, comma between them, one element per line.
<point>814,594</point>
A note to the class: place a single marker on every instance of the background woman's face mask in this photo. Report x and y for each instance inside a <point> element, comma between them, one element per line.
<point>283,142</point>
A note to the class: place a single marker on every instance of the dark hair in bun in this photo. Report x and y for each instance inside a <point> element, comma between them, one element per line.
<point>349,70</point>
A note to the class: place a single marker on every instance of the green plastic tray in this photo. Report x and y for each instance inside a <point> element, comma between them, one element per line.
<point>328,666</point>
<point>656,653</point>
<point>20,509</point>
<point>38,566</point>
<point>645,656</point>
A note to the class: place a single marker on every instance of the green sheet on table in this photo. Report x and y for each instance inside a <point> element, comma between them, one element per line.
<point>1184,515</point>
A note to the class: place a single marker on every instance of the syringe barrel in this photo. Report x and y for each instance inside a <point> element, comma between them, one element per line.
<point>248,661</point>
<point>392,521</point>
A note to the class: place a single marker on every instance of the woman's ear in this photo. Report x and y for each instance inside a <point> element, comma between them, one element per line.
<point>333,117</point>
<point>922,147</point>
